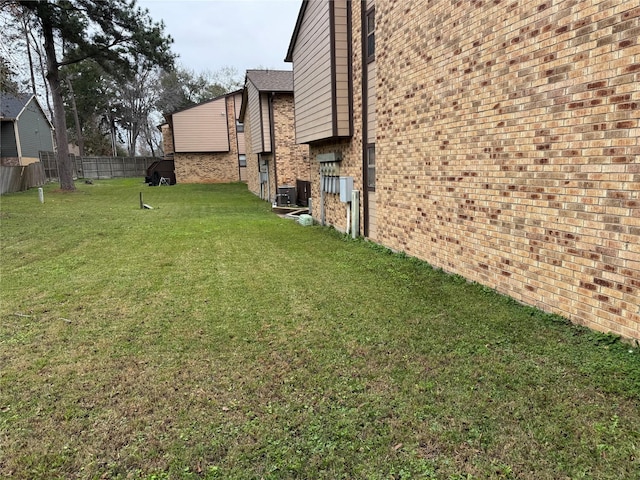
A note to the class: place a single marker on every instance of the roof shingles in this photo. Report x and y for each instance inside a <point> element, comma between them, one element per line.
<point>12,105</point>
<point>271,80</point>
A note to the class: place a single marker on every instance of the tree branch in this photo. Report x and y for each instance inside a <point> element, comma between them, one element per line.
<point>96,50</point>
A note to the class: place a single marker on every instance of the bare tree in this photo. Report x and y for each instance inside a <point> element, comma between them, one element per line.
<point>108,31</point>
<point>134,101</point>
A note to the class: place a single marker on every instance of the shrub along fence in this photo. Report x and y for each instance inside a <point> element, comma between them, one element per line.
<point>16,179</point>
<point>99,167</point>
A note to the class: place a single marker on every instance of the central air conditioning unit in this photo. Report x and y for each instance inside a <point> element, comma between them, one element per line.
<point>286,196</point>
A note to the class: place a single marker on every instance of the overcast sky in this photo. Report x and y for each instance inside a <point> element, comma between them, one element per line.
<point>211,34</point>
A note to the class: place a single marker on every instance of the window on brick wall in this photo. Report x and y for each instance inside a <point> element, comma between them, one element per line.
<point>370,24</point>
<point>371,167</point>
<point>242,160</point>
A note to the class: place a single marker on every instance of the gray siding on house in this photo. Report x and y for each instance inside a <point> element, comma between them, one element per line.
<point>34,132</point>
<point>8,147</point>
<point>312,74</point>
<point>202,128</point>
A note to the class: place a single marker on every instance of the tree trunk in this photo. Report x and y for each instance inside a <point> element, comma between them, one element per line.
<point>28,43</point>
<point>131,141</point>
<point>42,71</point>
<point>134,133</point>
<point>149,136</point>
<point>76,118</point>
<point>65,166</point>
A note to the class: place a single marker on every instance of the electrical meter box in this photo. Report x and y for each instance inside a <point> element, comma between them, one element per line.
<point>346,187</point>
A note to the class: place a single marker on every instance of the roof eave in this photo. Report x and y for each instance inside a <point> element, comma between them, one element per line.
<point>224,95</point>
<point>296,31</point>
<point>243,105</point>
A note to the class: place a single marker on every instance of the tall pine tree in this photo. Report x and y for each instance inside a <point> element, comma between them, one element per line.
<point>111,32</point>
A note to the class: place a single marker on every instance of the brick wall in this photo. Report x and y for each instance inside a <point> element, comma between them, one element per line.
<point>335,213</point>
<point>167,139</point>
<point>206,167</point>
<point>508,148</point>
<point>292,160</point>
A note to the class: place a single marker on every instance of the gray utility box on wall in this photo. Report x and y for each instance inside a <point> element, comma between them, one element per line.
<point>346,187</point>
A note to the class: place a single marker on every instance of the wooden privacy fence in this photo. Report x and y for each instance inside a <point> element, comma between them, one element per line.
<point>16,179</point>
<point>99,167</point>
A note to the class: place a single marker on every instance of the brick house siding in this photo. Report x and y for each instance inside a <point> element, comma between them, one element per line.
<point>351,166</point>
<point>206,168</point>
<point>292,160</point>
<point>167,139</point>
<point>508,148</point>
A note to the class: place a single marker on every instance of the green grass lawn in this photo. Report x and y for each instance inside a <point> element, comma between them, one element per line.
<point>209,338</point>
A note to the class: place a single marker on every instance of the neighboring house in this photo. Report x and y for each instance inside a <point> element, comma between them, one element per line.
<point>25,130</point>
<point>278,169</point>
<point>206,142</point>
<point>496,140</point>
